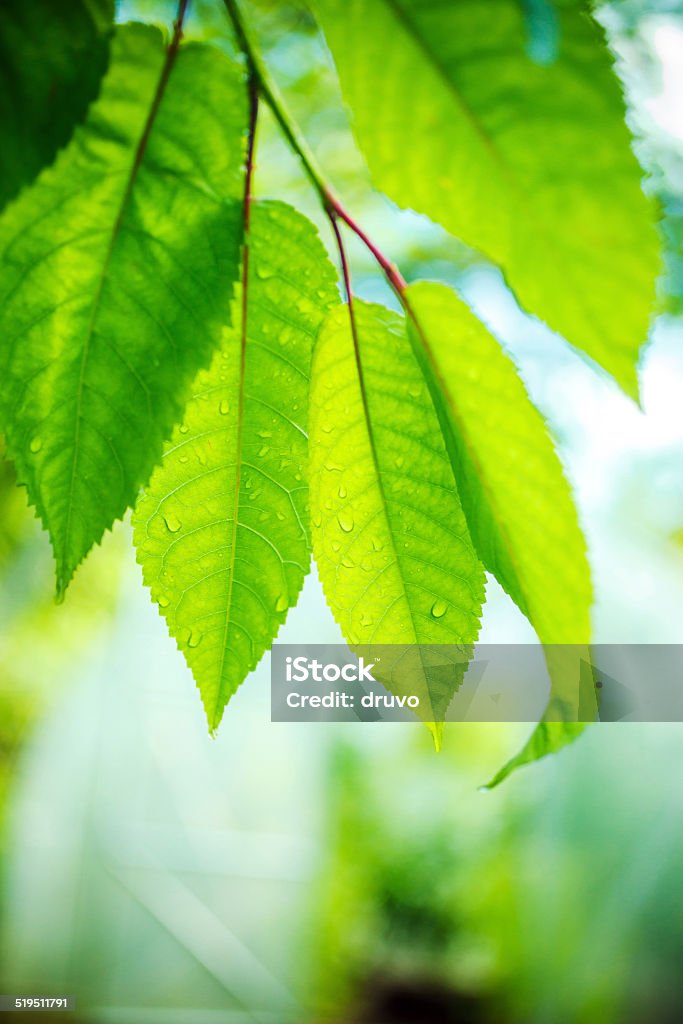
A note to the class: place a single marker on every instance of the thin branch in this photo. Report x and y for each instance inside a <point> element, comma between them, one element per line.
<point>271,94</point>
<point>260,77</point>
<point>391,271</point>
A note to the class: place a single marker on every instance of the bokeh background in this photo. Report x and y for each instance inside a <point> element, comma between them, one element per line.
<point>346,873</point>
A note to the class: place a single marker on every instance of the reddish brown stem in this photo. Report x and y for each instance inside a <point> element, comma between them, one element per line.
<point>336,210</point>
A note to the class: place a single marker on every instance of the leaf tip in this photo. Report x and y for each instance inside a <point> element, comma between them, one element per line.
<point>64,577</point>
<point>436,729</point>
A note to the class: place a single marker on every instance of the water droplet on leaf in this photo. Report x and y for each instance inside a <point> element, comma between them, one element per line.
<point>194,639</point>
<point>173,524</point>
<point>346,522</point>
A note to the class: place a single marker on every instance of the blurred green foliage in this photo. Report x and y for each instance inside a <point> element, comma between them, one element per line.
<point>37,652</point>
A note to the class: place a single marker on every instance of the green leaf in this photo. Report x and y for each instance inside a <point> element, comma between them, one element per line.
<point>517,502</point>
<point>52,58</point>
<point>547,738</point>
<point>222,530</point>
<point>117,268</point>
<point>389,535</point>
<point>528,160</point>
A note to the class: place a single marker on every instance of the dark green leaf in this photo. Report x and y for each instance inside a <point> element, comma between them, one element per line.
<point>117,268</point>
<point>53,54</point>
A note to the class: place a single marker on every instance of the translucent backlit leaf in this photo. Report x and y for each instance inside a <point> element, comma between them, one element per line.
<point>517,501</point>
<point>389,535</point>
<point>516,142</point>
<point>222,530</point>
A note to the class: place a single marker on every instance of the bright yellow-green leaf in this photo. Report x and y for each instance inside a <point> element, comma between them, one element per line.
<point>116,270</point>
<point>222,530</point>
<point>389,535</point>
<point>517,501</point>
<point>547,738</point>
<point>522,154</point>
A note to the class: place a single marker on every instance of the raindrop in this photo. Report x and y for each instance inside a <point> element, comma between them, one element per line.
<point>346,522</point>
<point>439,609</point>
<point>35,445</point>
<point>342,491</point>
<point>173,524</point>
<point>183,429</point>
<point>194,639</point>
<point>282,604</point>
<point>224,408</point>
<point>163,601</point>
